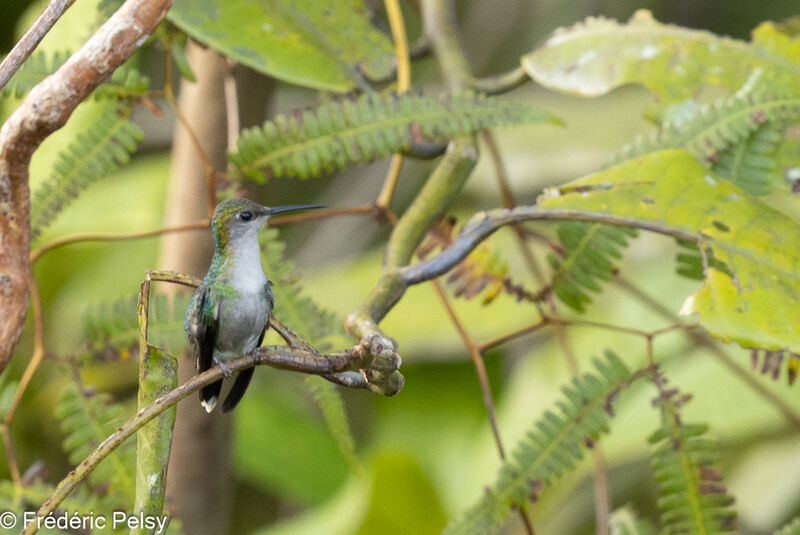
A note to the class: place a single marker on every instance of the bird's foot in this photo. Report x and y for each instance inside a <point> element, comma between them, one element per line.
<point>226,371</point>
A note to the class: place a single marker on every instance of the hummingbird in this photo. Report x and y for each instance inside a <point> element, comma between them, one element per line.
<point>228,313</point>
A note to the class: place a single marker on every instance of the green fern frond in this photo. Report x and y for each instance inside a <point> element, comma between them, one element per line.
<point>692,498</point>
<point>372,126</point>
<point>752,163</point>
<point>590,252</point>
<point>552,447</point>
<point>112,329</point>
<point>124,82</point>
<point>624,522</point>
<point>87,419</point>
<point>330,402</point>
<point>792,528</point>
<point>296,310</point>
<point>690,261</point>
<point>715,128</point>
<point>36,68</point>
<point>93,155</point>
<point>29,497</point>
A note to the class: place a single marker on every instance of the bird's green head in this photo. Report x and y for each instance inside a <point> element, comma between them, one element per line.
<point>237,219</point>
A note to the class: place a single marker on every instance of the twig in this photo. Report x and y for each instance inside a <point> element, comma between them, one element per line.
<point>507,196</point>
<point>25,46</point>
<point>480,366</point>
<point>30,369</point>
<point>702,339</point>
<point>105,236</point>
<point>500,83</point>
<point>398,28</point>
<point>46,108</point>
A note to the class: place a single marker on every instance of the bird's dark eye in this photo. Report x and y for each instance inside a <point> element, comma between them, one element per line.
<point>247,215</point>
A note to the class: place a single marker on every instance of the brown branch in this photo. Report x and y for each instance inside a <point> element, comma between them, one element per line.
<point>368,356</point>
<point>480,367</point>
<point>25,46</point>
<point>45,110</point>
<point>108,236</point>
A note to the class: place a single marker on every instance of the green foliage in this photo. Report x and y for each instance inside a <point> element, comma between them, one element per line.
<point>333,411</point>
<point>691,262</point>
<point>35,69</point>
<point>552,447</point>
<point>92,156</point>
<point>598,55</point>
<point>588,259</point>
<point>158,375</point>
<point>124,82</point>
<point>372,126</point>
<point>112,331</point>
<point>323,44</point>
<point>751,303</point>
<point>87,418</point>
<point>297,311</point>
<point>484,271</point>
<point>624,522</point>
<point>792,528</point>
<point>738,137</point>
<point>691,498</point>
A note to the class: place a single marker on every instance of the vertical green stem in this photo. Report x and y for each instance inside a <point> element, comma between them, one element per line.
<point>158,375</point>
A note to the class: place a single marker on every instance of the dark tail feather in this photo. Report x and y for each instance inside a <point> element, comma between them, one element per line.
<point>238,389</point>
<point>209,395</point>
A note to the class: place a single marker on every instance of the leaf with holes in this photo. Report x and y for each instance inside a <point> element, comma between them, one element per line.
<point>593,57</point>
<point>323,44</point>
<point>754,299</point>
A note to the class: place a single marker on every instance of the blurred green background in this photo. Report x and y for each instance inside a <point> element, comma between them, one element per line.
<point>427,453</point>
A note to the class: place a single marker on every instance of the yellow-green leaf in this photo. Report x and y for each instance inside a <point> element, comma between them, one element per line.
<point>598,55</point>
<point>669,191</point>
<point>324,44</point>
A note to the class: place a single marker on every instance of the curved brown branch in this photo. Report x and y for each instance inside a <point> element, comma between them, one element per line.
<point>370,359</point>
<point>45,110</point>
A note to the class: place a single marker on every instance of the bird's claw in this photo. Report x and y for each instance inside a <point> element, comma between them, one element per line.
<point>226,371</point>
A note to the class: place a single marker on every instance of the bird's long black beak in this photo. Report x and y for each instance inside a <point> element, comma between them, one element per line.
<point>291,207</point>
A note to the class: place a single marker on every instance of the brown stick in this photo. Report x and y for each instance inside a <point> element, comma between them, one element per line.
<point>45,110</point>
<point>25,47</point>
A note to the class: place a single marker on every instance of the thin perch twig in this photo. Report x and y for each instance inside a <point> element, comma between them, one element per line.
<point>25,46</point>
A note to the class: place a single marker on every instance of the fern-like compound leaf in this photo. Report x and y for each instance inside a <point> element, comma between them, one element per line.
<point>35,69</point>
<point>373,126</point>
<point>112,329</point>
<point>333,411</point>
<point>590,252</point>
<point>738,137</point>
<point>125,82</point>
<point>92,156</point>
<point>692,498</point>
<point>552,446</point>
<point>752,162</point>
<point>292,306</point>
<point>87,419</point>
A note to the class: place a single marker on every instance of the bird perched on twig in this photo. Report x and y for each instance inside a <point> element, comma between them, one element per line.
<point>228,313</point>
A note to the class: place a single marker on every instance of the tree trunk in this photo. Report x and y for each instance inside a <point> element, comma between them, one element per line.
<point>198,482</point>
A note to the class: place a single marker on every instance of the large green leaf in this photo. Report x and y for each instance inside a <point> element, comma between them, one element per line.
<point>324,44</point>
<point>753,300</point>
<point>598,55</point>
